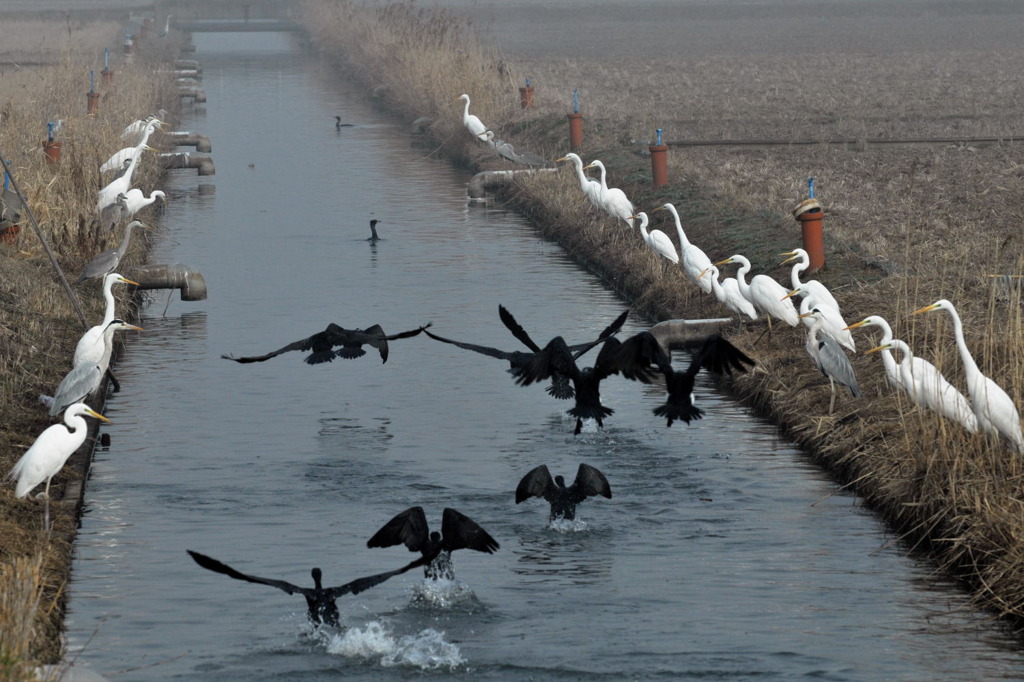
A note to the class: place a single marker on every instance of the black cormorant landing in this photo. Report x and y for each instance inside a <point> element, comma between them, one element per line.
<point>374,237</point>
<point>458,531</point>
<point>560,387</point>
<point>320,600</point>
<point>322,344</point>
<point>538,483</point>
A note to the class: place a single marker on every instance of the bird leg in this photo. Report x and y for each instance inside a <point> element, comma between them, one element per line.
<point>46,507</point>
<point>168,305</point>
<point>579,426</point>
<point>832,403</point>
<point>768,329</point>
<point>113,380</point>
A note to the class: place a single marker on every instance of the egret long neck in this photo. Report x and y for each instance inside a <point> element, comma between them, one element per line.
<point>108,295</point>
<point>970,366</point>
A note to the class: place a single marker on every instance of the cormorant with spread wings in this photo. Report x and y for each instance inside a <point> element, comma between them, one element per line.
<point>323,343</point>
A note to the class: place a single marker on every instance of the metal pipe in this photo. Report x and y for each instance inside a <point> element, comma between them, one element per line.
<point>179,276</point>
<point>185,160</point>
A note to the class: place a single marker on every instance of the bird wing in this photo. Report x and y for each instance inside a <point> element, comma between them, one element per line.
<point>360,584</point>
<point>484,350</point>
<point>105,262</point>
<point>718,355</point>
<point>373,336</point>
<point>536,483</point>
<point>516,329</point>
<point>408,527</point>
<point>679,404</point>
<point>458,531</point>
<point>212,564</point>
<point>609,331</point>
<point>589,481</point>
<point>303,344</point>
<point>554,358</point>
<point>637,358</point>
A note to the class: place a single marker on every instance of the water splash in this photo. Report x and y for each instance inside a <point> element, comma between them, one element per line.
<point>568,525</point>
<point>445,594</point>
<point>426,650</point>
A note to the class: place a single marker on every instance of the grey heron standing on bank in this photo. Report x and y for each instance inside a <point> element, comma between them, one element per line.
<point>829,358</point>
<point>107,261</point>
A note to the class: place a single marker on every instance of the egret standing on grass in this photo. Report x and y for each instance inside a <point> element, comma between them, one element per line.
<point>90,346</point>
<point>590,186</point>
<point>47,456</point>
<point>892,369</point>
<point>812,287</point>
<point>830,359</point>
<point>832,320</point>
<point>613,200</point>
<point>657,241</point>
<point>83,380</point>
<point>473,123</point>
<point>993,407</point>
<point>695,261</point>
<point>767,295</point>
<point>119,185</point>
<point>135,200</point>
<point>728,294</point>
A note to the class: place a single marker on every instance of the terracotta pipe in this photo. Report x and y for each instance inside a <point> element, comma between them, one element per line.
<point>526,96</point>
<point>659,162</point>
<point>576,131</point>
<point>92,102</point>
<point>809,214</point>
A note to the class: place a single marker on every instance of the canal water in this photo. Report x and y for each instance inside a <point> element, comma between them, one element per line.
<point>721,555</point>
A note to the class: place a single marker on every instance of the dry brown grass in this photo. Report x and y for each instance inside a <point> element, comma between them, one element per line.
<point>38,324</point>
<point>905,225</point>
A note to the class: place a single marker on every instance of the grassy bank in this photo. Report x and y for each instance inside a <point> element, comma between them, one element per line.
<point>905,225</point>
<point>38,323</point>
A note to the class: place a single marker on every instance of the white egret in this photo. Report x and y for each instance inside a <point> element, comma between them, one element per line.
<point>613,200</point>
<point>892,370</point>
<point>83,380</point>
<point>119,185</point>
<point>135,200</point>
<point>90,346</point>
<point>657,241</point>
<point>767,295</point>
<point>833,323</point>
<point>695,261</point>
<point>590,186</point>
<point>993,407</point>
<point>928,388</point>
<point>120,156</point>
<point>829,358</point>
<point>47,455</point>
<point>728,293</point>
<point>107,261</point>
<point>138,128</point>
<point>819,290</point>
<point>473,124</point>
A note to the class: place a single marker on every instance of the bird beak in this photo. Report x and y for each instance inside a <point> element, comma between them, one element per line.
<point>924,309</point>
<point>132,326</point>
<point>791,255</point>
<point>790,294</point>
<point>724,262</point>
<point>702,273</point>
<point>855,325</point>
<point>807,314</point>
<point>92,413</point>
<point>564,158</point>
<point>125,280</point>
<point>878,348</point>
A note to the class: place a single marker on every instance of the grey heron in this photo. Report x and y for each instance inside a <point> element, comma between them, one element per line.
<point>107,261</point>
<point>83,380</point>
<point>829,357</point>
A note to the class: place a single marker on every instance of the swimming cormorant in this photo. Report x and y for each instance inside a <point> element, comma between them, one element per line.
<point>338,125</point>
<point>563,500</point>
<point>458,531</point>
<point>319,599</point>
<point>373,231</point>
<point>322,344</point>
<point>560,386</point>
